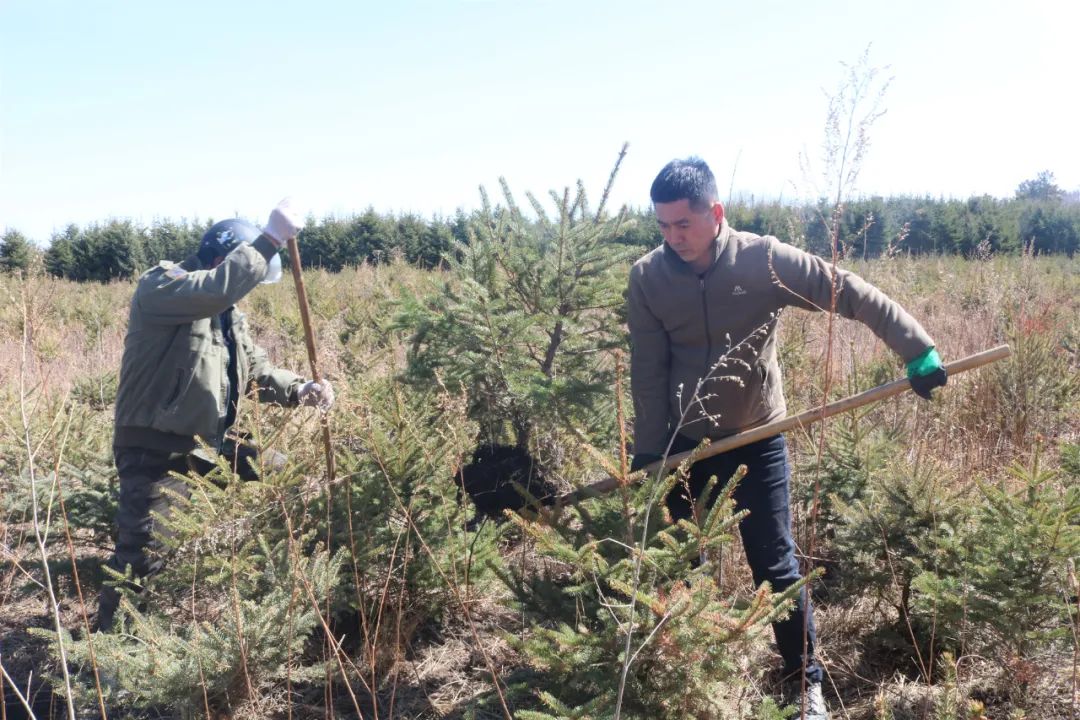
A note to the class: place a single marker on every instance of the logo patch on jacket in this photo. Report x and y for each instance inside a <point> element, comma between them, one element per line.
<point>176,273</point>
<point>738,290</point>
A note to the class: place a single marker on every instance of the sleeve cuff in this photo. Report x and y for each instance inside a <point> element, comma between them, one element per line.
<point>266,247</point>
<point>924,364</point>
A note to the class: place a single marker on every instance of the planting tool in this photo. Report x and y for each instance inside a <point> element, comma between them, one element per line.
<point>309,340</point>
<point>779,426</point>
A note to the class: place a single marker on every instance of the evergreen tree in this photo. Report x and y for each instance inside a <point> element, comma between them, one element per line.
<point>991,221</point>
<point>16,252</point>
<point>119,249</point>
<point>864,233</point>
<point>110,251</point>
<point>259,571</point>
<point>521,322</point>
<point>920,238</point>
<point>1003,580</point>
<point>854,456</point>
<point>1041,187</point>
<point>326,244</point>
<point>436,242</point>
<point>60,255</point>
<point>904,522</point>
<point>1049,227</point>
<point>412,236</point>
<point>168,240</point>
<point>642,232</point>
<point>250,640</point>
<point>622,617</point>
<point>370,238</point>
<point>950,227</point>
<point>815,224</point>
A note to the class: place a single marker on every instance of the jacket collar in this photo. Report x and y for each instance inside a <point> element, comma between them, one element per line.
<point>718,247</point>
<point>192,263</point>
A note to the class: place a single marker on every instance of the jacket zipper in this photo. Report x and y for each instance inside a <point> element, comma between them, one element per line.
<point>708,335</point>
<point>228,386</point>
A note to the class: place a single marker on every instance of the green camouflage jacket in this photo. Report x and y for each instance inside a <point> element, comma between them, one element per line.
<point>174,383</point>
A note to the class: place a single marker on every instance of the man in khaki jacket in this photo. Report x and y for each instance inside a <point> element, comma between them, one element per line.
<point>188,357</point>
<point>703,311</point>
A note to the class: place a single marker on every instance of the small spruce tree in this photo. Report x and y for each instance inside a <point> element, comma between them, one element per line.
<point>618,623</point>
<point>523,318</point>
<point>1004,589</point>
<point>16,253</point>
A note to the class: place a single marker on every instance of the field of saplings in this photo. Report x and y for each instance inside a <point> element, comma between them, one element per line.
<point>940,538</point>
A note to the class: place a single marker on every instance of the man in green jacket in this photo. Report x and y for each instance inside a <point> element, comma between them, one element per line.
<point>188,358</point>
<point>703,312</point>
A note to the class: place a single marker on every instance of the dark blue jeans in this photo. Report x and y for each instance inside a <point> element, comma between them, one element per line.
<point>766,531</point>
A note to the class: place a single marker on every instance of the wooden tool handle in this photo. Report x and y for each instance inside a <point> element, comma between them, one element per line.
<point>790,423</point>
<point>309,340</point>
<point>305,309</point>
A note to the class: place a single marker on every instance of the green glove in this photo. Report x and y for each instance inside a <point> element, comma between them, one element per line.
<point>926,373</point>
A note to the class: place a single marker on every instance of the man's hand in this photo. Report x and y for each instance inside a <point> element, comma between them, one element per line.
<point>313,394</point>
<point>283,225</point>
<point>926,373</point>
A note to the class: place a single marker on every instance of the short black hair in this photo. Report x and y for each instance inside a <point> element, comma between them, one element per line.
<point>689,179</point>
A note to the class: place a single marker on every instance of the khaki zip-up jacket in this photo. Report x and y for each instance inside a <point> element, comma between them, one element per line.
<point>721,326</point>
<point>174,382</point>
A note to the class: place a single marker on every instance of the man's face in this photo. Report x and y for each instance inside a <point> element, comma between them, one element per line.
<point>690,233</point>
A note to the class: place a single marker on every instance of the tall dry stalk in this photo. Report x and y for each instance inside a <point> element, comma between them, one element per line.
<point>39,534</point>
<point>1074,589</point>
<point>23,700</point>
<point>75,570</point>
<point>334,646</point>
<point>851,112</point>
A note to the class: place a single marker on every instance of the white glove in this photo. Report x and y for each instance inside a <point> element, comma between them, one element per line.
<point>313,394</point>
<point>284,224</point>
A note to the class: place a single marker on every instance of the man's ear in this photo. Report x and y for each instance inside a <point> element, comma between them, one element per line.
<point>718,212</point>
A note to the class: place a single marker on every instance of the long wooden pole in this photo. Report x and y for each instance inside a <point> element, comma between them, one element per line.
<point>309,339</point>
<point>328,445</point>
<point>797,421</point>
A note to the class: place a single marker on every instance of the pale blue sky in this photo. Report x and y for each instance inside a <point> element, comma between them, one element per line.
<point>208,109</point>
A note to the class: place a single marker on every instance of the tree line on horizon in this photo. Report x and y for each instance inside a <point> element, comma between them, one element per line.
<point>1041,218</point>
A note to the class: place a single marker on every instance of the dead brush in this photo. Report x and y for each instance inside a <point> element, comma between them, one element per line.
<point>406,634</point>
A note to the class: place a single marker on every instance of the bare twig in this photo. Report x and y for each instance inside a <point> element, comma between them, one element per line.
<point>54,605</point>
<point>18,694</point>
<point>75,570</point>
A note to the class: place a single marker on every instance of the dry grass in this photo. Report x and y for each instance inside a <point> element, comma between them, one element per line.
<point>76,340</point>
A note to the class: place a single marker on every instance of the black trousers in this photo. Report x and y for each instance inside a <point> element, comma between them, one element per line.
<point>148,491</point>
<point>766,531</point>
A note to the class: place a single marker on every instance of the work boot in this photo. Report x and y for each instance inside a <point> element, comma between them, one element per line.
<point>810,705</point>
<point>108,601</point>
